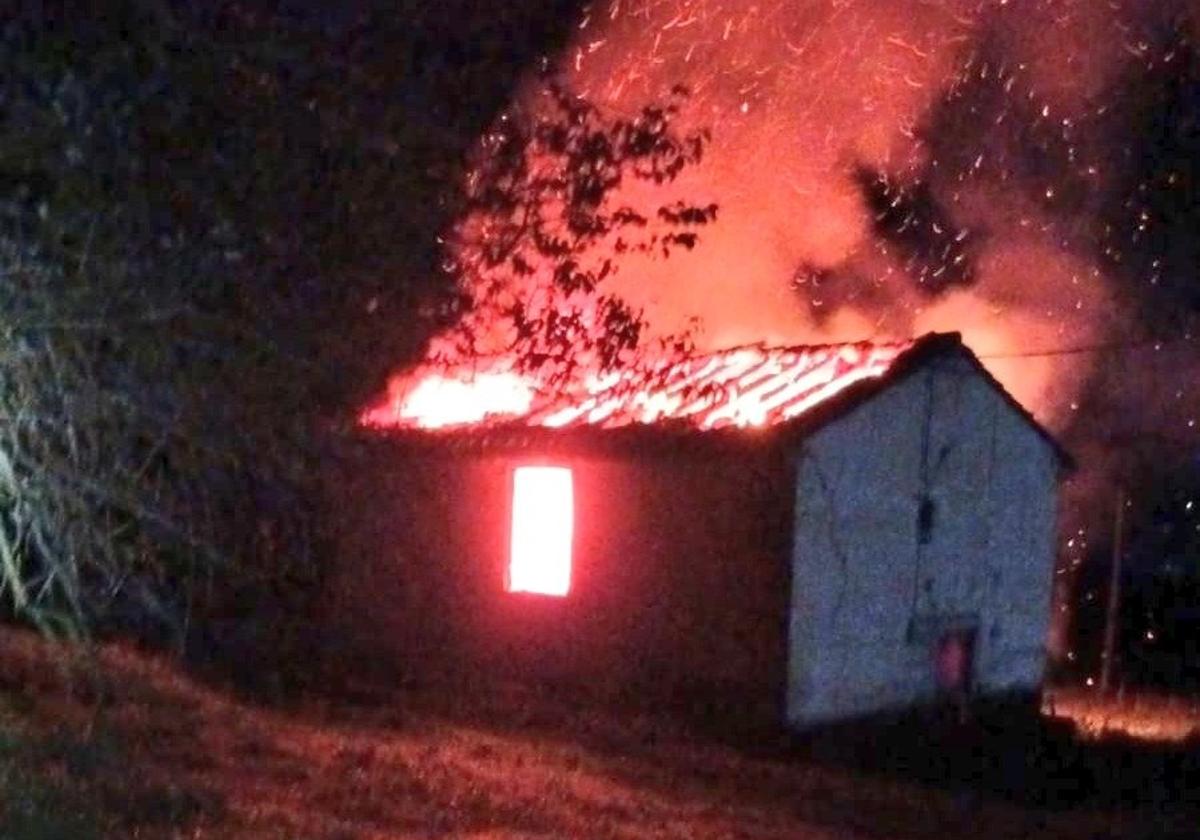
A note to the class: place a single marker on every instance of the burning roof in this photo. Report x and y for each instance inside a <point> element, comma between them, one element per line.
<point>750,386</point>
<point>753,386</point>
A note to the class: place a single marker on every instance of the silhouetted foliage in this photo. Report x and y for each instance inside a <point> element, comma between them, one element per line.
<point>154,430</point>
<point>546,217</point>
<point>220,230</point>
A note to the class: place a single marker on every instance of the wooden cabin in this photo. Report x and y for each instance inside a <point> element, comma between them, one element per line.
<point>808,534</point>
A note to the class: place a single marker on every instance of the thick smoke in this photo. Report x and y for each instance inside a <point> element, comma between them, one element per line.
<point>888,167</point>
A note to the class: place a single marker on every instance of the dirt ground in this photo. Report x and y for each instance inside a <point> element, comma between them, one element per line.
<point>130,747</point>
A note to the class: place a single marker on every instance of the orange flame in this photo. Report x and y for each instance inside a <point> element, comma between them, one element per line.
<point>743,387</point>
<point>438,400</point>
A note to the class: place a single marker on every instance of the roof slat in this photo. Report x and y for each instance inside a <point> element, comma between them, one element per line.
<point>746,386</point>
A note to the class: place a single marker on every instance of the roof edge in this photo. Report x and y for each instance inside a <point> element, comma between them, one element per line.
<point>915,357</point>
<point>928,347</point>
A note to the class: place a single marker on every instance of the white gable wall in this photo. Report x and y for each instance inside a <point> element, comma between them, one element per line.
<point>866,589</point>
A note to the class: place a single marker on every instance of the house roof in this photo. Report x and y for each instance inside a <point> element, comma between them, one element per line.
<point>751,385</point>
<point>744,395</point>
<point>746,386</point>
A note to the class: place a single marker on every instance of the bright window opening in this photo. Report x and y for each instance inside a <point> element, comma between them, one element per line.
<point>542,521</point>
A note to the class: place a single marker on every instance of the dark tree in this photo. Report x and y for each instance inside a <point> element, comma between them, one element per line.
<point>219,233</point>
<point>546,221</point>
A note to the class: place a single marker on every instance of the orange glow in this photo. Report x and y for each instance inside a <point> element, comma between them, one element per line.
<point>542,523</point>
<point>753,386</point>
<point>1143,716</point>
<point>438,400</point>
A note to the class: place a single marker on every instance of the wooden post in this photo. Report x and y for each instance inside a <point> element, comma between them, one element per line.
<point>1113,613</point>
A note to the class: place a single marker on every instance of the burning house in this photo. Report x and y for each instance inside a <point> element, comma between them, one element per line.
<point>812,533</point>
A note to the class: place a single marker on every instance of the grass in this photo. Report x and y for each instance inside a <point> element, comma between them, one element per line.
<point>35,807</point>
<point>63,774</point>
<point>1138,714</point>
<point>133,748</point>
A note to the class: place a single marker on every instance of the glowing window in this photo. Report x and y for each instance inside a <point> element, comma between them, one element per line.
<point>542,514</point>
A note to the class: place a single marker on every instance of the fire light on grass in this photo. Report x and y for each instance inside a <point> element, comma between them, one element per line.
<point>1144,716</point>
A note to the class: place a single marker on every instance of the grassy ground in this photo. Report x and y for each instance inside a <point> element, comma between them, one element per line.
<point>1155,718</point>
<point>132,748</point>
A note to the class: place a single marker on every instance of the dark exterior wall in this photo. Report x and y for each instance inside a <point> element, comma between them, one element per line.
<point>679,579</point>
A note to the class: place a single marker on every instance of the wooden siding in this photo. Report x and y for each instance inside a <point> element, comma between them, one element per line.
<point>679,580</point>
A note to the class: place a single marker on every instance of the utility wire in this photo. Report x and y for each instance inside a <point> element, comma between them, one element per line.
<point>1148,343</point>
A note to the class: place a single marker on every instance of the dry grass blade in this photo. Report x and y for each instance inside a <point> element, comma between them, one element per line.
<point>118,490</point>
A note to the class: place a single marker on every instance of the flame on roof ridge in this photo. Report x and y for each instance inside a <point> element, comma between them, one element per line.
<point>749,385</point>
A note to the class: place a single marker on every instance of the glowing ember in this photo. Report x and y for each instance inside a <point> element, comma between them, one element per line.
<point>743,387</point>
<point>438,400</point>
<point>543,509</point>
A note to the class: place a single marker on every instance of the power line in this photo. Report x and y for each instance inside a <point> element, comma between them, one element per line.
<point>1110,346</point>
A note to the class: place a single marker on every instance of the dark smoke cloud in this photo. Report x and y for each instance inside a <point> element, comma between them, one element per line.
<point>1151,216</point>
<point>934,251</point>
